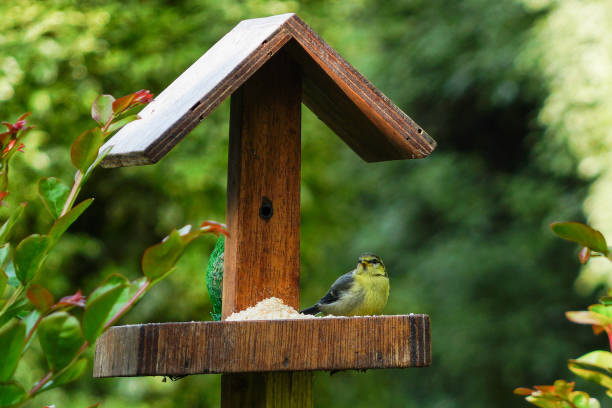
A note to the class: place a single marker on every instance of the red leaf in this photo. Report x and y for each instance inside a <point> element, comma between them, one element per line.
<point>84,149</point>
<point>9,146</point>
<point>597,329</point>
<point>523,391</point>
<point>20,124</point>
<point>545,388</point>
<point>122,103</point>
<point>214,227</point>
<point>40,297</point>
<point>3,195</point>
<point>75,300</point>
<point>141,97</point>
<point>25,115</point>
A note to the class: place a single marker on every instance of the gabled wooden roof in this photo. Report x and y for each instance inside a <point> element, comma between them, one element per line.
<point>340,96</point>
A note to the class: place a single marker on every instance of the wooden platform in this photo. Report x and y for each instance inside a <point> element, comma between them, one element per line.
<point>337,343</point>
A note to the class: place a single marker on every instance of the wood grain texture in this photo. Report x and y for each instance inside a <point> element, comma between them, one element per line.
<point>267,390</point>
<point>338,343</point>
<point>346,101</point>
<point>262,253</point>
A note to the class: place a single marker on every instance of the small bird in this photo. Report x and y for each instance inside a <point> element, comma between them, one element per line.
<point>360,292</point>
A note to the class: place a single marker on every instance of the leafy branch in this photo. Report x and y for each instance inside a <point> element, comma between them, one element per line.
<point>595,366</point>
<point>29,310</point>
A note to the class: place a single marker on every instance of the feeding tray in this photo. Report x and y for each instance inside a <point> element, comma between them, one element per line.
<point>269,66</point>
<point>331,343</point>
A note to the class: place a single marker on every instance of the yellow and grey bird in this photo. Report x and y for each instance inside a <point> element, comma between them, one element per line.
<point>360,292</point>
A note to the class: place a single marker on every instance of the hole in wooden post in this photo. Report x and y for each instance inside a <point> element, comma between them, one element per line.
<point>266,211</point>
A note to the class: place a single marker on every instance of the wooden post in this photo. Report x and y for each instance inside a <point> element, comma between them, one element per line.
<point>262,254</point>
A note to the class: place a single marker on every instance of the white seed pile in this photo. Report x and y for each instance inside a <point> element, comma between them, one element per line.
<point>268,309</point>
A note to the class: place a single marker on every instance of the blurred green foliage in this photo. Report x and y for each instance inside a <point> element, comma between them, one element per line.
<point>463,233</point>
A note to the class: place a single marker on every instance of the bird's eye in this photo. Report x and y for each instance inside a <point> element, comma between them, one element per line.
<point>374,262</point>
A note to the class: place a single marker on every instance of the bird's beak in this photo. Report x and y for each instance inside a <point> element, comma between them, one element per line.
<point>363,264</point>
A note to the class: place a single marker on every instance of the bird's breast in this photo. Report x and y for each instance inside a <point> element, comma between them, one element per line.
<point>375,294</point>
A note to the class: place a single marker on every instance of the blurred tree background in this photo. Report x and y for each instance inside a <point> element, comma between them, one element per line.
<point>515,92</point>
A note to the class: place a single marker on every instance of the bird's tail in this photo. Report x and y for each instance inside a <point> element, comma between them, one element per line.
<point>312,310</point>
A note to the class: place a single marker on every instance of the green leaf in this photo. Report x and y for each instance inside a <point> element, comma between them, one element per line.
<point>591,375</point>
<point>602,310</point>
<point>582,234</point>
<point>12,340</point>
<point>19,309</point>
<point>159,259</point>
<point>11,274</point>
<point>597,359</point>
<point>100,305</point>
<point>84,150</point>
<point>563,388</point>
<point>7,227</point>
<point>581,399</point>
<point>29,321</point>
<point>127,294</point>
<point>5,252</point>
<point>110,283</point>
<point>3,282</point>
<point>121,123</point>
<point>544,402</point>
<point>60,339</point>
<point>188,234</point>
<point>65,221</point>
<point>53,193</point>
<point>29,256</point>
<point>71,373</point>
<point>40,297</point>
<point>7,270</point>
<point>102,109</point>
<point>11,393</point>
<point>587,317</point>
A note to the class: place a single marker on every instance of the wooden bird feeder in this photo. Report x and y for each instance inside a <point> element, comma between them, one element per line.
<point>269,66</point>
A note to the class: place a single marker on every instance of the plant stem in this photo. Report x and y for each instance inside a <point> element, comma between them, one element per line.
<point>40,383</point>
<point>33,329</point>
<point>128,305</point>
<point>79,176</point>
<point>74,191</point>
<point>609,333</point>
<point>50,375</point>
<point>12,299</point>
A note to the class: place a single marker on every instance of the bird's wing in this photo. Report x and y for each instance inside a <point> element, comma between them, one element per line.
<point>342,284</point>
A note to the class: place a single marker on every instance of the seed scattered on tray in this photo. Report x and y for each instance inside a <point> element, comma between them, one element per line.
<point>269,309</point>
